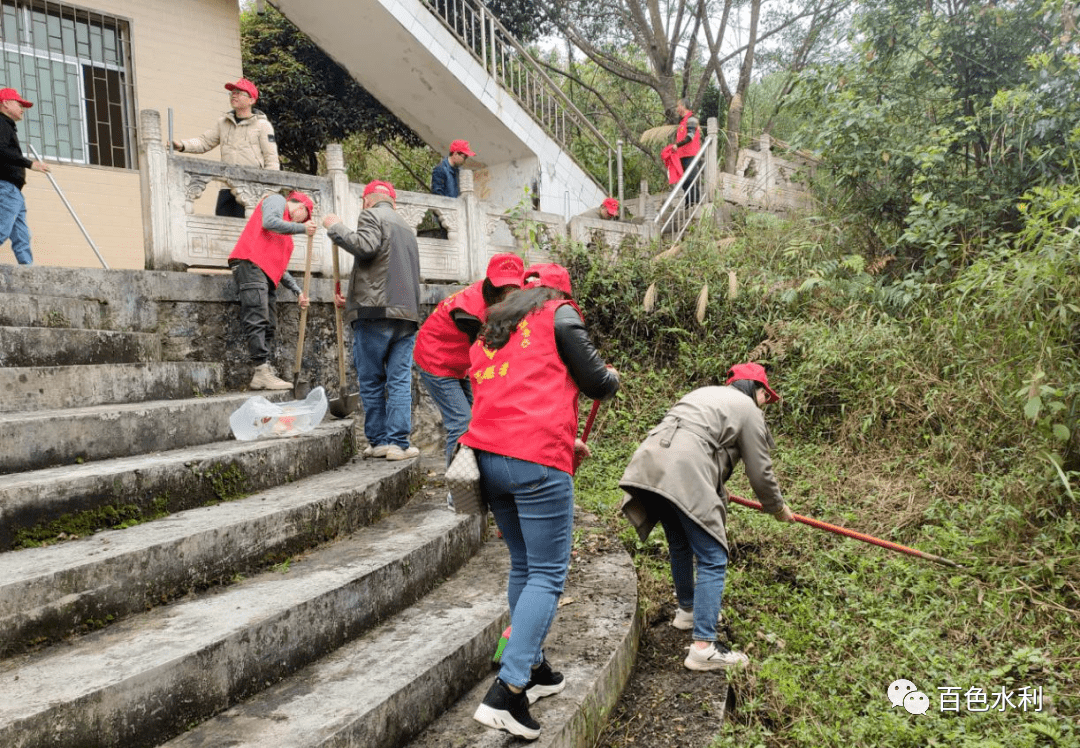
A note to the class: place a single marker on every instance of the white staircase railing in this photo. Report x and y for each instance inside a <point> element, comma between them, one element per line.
<point>508,62</point>
<point>693,190</point>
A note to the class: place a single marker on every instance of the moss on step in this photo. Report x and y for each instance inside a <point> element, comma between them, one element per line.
<point>79,524</point>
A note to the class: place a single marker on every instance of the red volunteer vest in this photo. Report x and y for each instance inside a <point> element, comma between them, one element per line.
<point>269,250</point>
<point>525,404</point>
<point>691,148</point>
<point>442,349</point>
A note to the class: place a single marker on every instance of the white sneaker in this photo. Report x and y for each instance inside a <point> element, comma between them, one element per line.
<point>264,379</point>
<point>714,658</point>
<point>379,451</point>
<point>394,452</point>
<point>684,619</point>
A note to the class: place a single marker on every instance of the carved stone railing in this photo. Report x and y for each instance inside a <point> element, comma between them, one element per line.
<point>176,237</point>
<point>765,181</point>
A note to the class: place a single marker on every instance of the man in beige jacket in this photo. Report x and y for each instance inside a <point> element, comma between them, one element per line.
<point>246,138</point>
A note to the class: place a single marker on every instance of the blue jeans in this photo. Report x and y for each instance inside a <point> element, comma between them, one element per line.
<point>453,397</point>
<point>534,508</point>
<point>13,222</point>
<point>687,542</point>
<point>382,353</point>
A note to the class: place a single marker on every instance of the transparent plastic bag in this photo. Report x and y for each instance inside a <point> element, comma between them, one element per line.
<point>258,417</point>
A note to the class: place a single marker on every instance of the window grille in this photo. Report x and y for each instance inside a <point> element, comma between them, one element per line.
<point>75,66</point>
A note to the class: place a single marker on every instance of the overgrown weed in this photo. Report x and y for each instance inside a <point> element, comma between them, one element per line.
<point>916,413</point>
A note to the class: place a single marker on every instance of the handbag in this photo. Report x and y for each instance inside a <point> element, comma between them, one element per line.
<point>463,480</point>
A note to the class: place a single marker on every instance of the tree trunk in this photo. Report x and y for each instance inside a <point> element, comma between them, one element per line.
<point>734,120</point>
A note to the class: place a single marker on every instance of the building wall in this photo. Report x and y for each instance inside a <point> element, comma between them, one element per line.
<point>183,53</point>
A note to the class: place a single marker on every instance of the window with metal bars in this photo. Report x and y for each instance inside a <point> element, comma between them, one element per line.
<point>75,66</point>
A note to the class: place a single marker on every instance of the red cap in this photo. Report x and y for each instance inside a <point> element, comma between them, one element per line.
<point>755,373</point>
<point>506,270</point>
<point>383,188</point>
<point>461,146</point>
<point>611,205</point>
<point>10,94</point>
<point>244,85</point>
<point>549,275</point>
<point>300,197</point>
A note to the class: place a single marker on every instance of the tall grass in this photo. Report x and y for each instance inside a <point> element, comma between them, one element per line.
<point>938,415</point>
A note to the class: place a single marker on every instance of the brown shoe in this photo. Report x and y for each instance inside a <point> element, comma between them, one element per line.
<point>264,379</point>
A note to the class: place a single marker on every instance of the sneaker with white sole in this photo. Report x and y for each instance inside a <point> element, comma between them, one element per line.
<point>397,453</point>
<point>264,379</point>
<point>684,619</point>
<point>502,709</point>
<point>376,451</point>
<point>714,657</point>
<point>544,681</point>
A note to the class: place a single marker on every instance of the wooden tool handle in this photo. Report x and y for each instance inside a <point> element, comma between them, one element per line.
<point>303,310</point>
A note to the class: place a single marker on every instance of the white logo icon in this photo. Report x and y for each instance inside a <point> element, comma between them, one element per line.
<point>904,693</point>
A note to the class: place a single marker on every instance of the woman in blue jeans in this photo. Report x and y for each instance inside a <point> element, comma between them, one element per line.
<point>442,346</point>
<point>531,361</point>
<point>676,478</point>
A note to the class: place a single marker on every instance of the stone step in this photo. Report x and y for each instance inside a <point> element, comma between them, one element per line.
<point>384,687</point>
<point>47,593</point>
<point>52,387</point>
<point>416,680</point>
<point>64,346</point>
<point>593,642</point>
<point>147,678</point>
<point>30,441</point>
<point>28,310</point>
<point>62,499</point>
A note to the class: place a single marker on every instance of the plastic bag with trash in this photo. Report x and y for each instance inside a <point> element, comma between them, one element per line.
<point>259,417</point>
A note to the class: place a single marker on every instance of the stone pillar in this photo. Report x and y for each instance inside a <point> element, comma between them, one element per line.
<point>339,204</point>
<point>154,182</point>
<point>712,164</point>
<point>473,237</point>
<point>767,177</point>
<point>643,201</point>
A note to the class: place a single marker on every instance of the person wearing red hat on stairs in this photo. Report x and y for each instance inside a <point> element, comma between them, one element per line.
<point>527,368</point>
<point>444,177</point>
<point>442,345</point>
<point>246,138</point>
<point>13,166</point>
<point>676,478</point>
<point>383,308</point>
<point>258,265</point>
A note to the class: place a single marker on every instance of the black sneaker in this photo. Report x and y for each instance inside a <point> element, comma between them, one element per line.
<point>544,682</point>
<point>502,709</point>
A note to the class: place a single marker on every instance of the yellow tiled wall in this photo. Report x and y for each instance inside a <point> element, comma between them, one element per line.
<point>184,51</point>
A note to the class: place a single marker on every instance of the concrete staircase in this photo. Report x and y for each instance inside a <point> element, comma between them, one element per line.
<point>163,584</point>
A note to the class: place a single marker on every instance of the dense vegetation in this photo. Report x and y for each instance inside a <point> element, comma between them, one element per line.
<point>924,328</point>
<point>917,428</point>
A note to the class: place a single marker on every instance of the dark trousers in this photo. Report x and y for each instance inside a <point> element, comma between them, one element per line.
<point>228,205</point>
<point>692,191</point>
<point>257,308</point>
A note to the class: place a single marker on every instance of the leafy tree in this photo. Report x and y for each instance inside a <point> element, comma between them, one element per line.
<point>676,47</point>
<point>942,116</point>
<point>311,100</point>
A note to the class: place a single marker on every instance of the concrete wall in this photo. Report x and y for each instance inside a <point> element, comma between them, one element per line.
<point>400,52</point>
<point>183,53</point>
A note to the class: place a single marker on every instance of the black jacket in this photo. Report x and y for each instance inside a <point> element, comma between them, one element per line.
<point>13,164</point>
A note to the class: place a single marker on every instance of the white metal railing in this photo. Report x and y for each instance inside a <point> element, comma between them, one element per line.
<point>508,62</point>
<point>689,194</point>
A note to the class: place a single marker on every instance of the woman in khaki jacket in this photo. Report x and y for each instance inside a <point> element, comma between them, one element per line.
<point>676,477</point>
<point>246,138</point>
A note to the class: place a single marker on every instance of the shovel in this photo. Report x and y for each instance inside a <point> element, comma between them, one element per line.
<point>301,389</point>
<point>344,404</point>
